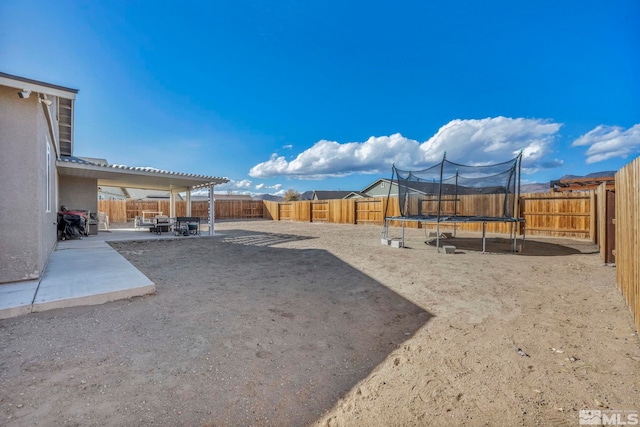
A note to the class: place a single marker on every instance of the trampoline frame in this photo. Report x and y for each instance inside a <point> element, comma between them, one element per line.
<point>513,235</point>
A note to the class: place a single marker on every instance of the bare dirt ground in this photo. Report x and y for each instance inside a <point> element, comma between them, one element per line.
<point>280,323</point>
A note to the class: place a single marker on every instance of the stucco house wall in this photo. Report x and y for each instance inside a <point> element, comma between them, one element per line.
<point>78,193</point>
<point>38,174</point>
<point>28,230</point>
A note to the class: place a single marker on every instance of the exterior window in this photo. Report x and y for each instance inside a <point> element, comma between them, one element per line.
<point>48,178</point>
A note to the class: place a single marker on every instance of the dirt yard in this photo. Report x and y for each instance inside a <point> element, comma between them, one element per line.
<point>289,324</point>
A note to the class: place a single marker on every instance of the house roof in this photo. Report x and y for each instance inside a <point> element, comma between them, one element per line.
<point>330,195</point>
<point>582,183</point>
<point>23,83</point>
<point>355,194</point>
<point>133,177</point>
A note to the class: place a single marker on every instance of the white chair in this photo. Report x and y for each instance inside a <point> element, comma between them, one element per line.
<point>103,221</point>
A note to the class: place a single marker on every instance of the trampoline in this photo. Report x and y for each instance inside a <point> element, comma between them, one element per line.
<point>453,193</point>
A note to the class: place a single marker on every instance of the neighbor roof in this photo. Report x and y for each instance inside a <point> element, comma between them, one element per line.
<point>330,195</point>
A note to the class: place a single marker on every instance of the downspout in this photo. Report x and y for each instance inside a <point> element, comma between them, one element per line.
<point>42,99</point>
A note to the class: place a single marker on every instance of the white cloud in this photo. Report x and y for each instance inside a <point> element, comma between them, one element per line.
<point>606,142</point>
<point>287,147</point>
<point>329,158</point>
<point>471,142</point>
<point>234,185</point>
<point>493,140</point>
<point>262,186</point>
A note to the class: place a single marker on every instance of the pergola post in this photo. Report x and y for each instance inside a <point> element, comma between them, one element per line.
<point>172,204</point>
<point>212,212</point>
<point>188,201</point>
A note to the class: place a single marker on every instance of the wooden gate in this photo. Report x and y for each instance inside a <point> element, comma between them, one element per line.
<point>319,211</point>
<point>284,211</point>
<point>369,211</point>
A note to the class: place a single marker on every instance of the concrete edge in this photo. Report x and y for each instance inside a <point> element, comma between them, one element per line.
<point>8,313</point>
<point>96,299</point>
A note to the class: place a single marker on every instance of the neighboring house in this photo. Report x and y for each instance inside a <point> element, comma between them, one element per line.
<point>380,188</point>
<point>355,195</point>
<point>111,193</point>
<point>39,173</point>
<point>122,193</point>
<point>330,195</point>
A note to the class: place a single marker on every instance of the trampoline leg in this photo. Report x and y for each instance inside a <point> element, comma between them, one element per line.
<point>403,234</point>
<point>484,245</point>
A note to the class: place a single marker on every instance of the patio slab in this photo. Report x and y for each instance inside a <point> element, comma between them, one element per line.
<point>89,276</point>
<point>81,272</point>
<point>16,298</point>
<point>84,271</point>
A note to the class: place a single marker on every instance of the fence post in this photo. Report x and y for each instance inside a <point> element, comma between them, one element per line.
<point>593,217</point>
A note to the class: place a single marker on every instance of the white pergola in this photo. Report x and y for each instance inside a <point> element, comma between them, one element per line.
<point>145,178</point>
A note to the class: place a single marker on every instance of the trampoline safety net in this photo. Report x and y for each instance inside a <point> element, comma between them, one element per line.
<point>437,191</point>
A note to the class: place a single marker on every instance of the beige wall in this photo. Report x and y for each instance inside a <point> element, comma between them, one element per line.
<point>79,193</point>
<point>28,232</point>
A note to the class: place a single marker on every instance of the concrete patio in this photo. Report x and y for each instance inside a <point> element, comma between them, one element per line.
<point>82,272</point>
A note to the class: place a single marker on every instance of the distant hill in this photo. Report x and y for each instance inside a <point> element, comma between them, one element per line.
<point>534,188</point>
<point>603,174</point>
<point>269,197</point>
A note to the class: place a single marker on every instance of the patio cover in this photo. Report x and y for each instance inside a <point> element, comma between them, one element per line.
<point>140,177</point>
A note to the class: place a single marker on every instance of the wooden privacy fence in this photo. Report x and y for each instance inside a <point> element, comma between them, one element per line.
<point>547,214</point>
<point>559,214</point>
<point>627,232</point>
<point>127,210</point>
<point>338,211</point>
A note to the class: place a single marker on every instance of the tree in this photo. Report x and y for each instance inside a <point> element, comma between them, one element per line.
<point>291,195</point>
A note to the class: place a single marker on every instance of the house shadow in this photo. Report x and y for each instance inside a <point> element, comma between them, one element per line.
<point>505,246</point>
<point>286,332</point>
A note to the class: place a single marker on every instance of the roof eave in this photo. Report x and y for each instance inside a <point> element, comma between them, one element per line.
<point>36,86</point>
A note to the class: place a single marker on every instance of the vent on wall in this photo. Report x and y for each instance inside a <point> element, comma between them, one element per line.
<point>65,126</point>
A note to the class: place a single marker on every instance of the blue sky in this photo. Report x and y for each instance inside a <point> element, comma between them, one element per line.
<point>326,95</point>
